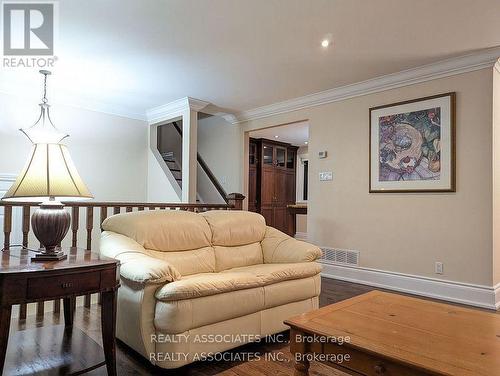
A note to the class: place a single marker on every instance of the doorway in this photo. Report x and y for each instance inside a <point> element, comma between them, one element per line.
<point>278,167</point>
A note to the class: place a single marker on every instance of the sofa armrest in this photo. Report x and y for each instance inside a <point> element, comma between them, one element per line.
<point>135,264</point>
<point>279,248</point>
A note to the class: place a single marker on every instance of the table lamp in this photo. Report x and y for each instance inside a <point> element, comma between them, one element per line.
<point>48,177</point>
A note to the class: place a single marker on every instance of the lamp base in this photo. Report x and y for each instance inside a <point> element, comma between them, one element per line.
<point>49,256</point>
<point>50,223</point>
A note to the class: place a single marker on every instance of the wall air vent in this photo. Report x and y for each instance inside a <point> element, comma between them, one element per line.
<point>340,256</point>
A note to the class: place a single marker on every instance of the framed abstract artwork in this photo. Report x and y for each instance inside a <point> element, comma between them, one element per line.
<point>412,145</point>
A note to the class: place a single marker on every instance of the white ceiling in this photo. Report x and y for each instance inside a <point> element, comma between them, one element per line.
<point>240,54</point>
<point>296,134</point>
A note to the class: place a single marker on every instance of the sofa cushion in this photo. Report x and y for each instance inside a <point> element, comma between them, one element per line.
<point>235,227</point>
<point>294,290</point>
<point>206,284</point>
<point>188,262</point>
<point>162,230</point>
<point>278,247</point>
<point>273,273</point>
<point>178,316</point>
<point>237,256</point>
<point>135,262</point>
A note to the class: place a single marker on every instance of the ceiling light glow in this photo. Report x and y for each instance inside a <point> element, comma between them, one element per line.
<point>325,43</point>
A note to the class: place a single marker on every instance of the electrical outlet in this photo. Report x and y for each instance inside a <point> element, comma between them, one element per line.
<point>438,267</point>
<point>325,176</point>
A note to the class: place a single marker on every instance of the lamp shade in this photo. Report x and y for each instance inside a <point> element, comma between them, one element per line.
<point>49,172</point>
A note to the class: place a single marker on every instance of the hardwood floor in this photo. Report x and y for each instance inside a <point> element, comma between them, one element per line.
<point>268,358</point>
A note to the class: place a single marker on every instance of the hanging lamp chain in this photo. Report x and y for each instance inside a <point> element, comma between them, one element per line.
<point>44,100</point>
<point>45,74</point>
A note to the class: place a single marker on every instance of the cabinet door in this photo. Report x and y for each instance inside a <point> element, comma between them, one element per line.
<point>252,153</point>
<point>280,157</point>
<point>280,222</point>
<point>267,213</point>
<point>290,185</point>
<point>267,156</point>
<point>280,188</point>
<point>290,159</point>
<point>267,187</point>
<point>252,189</point>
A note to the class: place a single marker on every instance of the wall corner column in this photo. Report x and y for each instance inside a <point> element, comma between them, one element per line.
<point>189,155</point>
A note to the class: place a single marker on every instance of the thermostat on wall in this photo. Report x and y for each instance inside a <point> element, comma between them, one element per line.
<point>322,154</point>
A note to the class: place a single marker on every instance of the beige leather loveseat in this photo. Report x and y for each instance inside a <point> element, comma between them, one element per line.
<point>194,284</point>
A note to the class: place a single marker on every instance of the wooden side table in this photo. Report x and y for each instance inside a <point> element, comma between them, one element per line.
<point>83,272</point>
<point>293,210</point>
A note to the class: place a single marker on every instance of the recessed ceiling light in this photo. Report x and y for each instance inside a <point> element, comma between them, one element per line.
<point>276,136</point>
<point>325,43</point>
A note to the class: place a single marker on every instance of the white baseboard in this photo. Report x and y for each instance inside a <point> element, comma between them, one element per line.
<point>496,289</point>
<point>464,293</point>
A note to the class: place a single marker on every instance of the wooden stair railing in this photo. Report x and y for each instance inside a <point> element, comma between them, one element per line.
<point>206,169</point>
<point>93,221</point>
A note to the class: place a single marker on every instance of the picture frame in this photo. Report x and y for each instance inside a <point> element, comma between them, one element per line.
<point>412,145</point>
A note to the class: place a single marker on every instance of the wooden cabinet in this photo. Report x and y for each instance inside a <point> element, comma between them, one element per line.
<point>272,171</point>
<point>252,177</point>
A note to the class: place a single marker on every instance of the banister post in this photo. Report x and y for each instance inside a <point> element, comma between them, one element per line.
<point>235,200</point>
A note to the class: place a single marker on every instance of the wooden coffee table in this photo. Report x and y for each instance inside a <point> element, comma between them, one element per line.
<point>387,334</point>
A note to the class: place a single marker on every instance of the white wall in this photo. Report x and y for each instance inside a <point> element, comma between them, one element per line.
<point>161,183</point>
<point>109,151</point>
<point>219,144</point>
<point>403,233</point>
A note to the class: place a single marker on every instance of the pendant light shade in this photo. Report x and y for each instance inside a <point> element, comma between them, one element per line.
<point>49,172</point>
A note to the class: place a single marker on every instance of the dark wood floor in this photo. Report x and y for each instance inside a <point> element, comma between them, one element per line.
<point>130,363</point>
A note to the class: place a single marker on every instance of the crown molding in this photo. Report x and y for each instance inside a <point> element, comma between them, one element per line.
<point>444,68</point>
<point>174,109</point>
<point>230,118</point>
<point>64,98</point>
<point>105,108</point>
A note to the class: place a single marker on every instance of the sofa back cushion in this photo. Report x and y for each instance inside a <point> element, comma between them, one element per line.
<point>162,230</point>
<point>234,227</point>
<point>195,243</point>
<point>200,260</point>
<point>237,256</point>
<point>236,237</point>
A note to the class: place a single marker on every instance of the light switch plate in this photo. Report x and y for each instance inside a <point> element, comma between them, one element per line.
<point>326,176</point>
